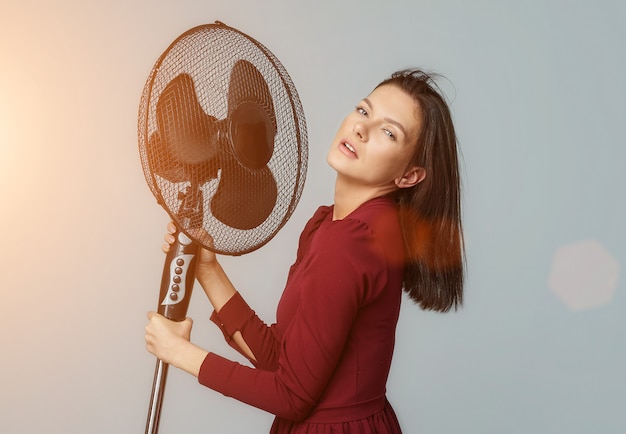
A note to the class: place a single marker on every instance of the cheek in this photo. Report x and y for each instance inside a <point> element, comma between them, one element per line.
<point>397,163</point>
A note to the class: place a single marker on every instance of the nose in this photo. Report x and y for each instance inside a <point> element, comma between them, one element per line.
<point>360,130</point>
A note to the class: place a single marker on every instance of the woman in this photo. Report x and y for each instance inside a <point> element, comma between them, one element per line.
<point>395,223</point>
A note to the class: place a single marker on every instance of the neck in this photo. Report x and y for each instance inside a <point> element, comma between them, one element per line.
<point>349,196</point>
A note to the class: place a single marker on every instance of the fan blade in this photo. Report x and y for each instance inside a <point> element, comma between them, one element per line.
<point>247,84</point>
<point>247,191</point>
<point>161,160</point>
<point>186,134</point>
<point>244,198</point>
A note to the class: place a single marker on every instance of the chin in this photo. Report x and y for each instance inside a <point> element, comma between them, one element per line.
<point>332,161</point>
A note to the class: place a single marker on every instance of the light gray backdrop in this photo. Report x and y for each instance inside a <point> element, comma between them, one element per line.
<point>538,96</point>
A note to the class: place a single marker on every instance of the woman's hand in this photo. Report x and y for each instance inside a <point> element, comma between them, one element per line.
<point>170,342</point>
<point>206,258</point>
<point>165,338</point>
<point>209,272</point>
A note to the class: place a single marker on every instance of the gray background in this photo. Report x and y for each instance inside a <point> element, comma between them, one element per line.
<point>538,94</point>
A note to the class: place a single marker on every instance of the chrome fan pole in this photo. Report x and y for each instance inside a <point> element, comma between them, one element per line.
<point>176,289</point>
<point>156,399</point>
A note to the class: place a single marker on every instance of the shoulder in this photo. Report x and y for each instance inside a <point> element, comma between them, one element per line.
<point>322,214</point>
<point>377,219</point>
<point>371,230</point>
<point>354,257</point>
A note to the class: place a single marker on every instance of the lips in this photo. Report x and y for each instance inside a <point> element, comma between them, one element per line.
<point>348,149</point>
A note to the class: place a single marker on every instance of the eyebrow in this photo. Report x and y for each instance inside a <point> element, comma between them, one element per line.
<point>391,121</point>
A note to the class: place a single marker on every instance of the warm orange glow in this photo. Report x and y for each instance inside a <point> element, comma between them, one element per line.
<point>7,154</point>
<point>4,134</point>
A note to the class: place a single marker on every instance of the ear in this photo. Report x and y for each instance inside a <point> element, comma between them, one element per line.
<point>412,177</point>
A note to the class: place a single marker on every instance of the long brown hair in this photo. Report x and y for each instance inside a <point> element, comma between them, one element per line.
<point>430,212</point>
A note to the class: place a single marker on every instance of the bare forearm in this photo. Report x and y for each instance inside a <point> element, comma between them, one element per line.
<point>169,341</point>
<point>189,358</point>
<point>216,284</point>
<point>219,289</point>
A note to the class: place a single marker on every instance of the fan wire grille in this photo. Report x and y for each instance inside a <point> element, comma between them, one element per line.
<point>208,54</point>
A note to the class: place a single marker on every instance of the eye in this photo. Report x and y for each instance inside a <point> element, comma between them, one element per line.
<point>361,110</point>
<point>389,134</point>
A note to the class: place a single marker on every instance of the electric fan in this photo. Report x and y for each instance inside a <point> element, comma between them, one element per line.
<point>223,146</point>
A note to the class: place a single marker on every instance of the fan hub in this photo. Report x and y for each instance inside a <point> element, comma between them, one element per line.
<point>252,135</point>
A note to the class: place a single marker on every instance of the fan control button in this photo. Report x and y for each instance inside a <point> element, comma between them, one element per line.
<point>178,268</point>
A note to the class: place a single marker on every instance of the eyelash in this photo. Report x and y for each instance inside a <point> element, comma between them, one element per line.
<point>387,132</point>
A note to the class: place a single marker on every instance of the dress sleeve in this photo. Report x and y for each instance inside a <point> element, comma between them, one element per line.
<point>338,276</point>
<point>235,316</point>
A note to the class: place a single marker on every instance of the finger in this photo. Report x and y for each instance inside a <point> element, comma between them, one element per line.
<point>171,227</point>
<point>169,238</point>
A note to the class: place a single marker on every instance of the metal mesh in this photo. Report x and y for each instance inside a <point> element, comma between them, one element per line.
<point>207,54</point>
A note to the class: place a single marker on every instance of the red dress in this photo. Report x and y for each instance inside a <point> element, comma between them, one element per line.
<point>323,366</point>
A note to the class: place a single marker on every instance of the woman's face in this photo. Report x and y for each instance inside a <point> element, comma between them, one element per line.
<point>376,141</point>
